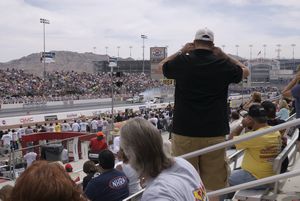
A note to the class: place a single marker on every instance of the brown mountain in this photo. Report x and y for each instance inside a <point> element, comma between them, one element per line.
<point>64,60</point>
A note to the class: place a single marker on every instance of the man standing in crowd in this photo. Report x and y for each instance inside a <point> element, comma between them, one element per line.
<point>260,152</point>
<point>75,126</point>
<point>293,90</point>
<point>94,125</point>
<point>97,144</point>
<point>111,184</point>
<point>202,73</point>
<point>65,127</point>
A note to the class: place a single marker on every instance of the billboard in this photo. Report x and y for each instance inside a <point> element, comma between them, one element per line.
<point>49,57</point>
<point>157,54</point>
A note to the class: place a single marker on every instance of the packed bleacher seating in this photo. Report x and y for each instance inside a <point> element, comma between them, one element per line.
<point>21,87</point>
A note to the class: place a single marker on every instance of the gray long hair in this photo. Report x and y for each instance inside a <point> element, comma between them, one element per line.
<point>143,145</point>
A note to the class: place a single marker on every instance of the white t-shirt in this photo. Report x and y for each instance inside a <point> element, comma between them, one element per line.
<point>21,132</point>
<point>83,126</point>
<point>65,127</point>
<point>6,139</point>
<point>30,157</point>
<point>116,143</point>
<point>50,129</point>
<point>14,136</point>
<point>153,120</point>
<point>94,124</point>
<point>75,127</point>
<point>134,181</point>
<point>177,183</point>
<point>65,155</point>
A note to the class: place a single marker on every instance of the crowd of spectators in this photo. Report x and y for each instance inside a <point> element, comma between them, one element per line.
<point>20,87</point>
<point>236,88</point>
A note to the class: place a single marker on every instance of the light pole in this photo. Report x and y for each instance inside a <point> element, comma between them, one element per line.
<point>106,50</point>
<point>278,50</point>
<point>130,47</point>
<point>44,21</point>
<point>112,63</point>
<point>293,46</point>
<point>237,50</point>
<point>250,66</point>
<point>265,50</point>
<point>118,47</point>
<point>250,46</point>
<point>94,48</point>
<point>144,37</point>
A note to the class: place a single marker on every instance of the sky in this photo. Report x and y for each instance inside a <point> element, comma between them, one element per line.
<point>91,25</point>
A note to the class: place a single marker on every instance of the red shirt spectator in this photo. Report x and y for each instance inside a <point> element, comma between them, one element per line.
<point>98,143</point>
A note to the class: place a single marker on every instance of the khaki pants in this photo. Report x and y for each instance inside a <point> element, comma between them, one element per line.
<point>212,167</point>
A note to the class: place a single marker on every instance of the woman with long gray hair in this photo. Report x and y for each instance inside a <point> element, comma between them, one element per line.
<point>166,178</point>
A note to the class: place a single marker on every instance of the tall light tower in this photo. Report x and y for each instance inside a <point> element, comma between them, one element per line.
<point>94,48</point>
<point>237,50</point>
<point>293,46</point>
<point>143,38</point>
<point>265,50</point>
<point>130,47</point>
<point>44,21</point>
<point>106,50</point>
<point>250,46</point>
<point>278,51</point>
<point>118,51</point>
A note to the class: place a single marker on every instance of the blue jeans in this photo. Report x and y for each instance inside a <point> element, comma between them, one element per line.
<point>242,176</point>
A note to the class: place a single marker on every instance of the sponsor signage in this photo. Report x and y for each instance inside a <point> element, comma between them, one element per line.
<point>48,57</point>
<point>51,118</point>
<point>25,120</point>
<point>72,115</point>
<point>34,105</point>
<point>112,61</point>
<point>157,53</point>
<point>168,81</point>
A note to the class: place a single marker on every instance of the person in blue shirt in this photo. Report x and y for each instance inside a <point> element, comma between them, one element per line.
<point>111,184</point>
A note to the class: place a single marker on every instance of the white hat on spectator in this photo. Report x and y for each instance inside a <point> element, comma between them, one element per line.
<point>204,34</point>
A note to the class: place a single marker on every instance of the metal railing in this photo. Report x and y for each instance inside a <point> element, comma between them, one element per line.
<point>229,143</point>
<point>241,139</point>
<point>225,144</point>
<point>12,157</point>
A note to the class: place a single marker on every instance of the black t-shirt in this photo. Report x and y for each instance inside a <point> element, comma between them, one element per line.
<point>201,92</point>
<point>274,122</point>
<point>86,180</point>
<point>109,186</point>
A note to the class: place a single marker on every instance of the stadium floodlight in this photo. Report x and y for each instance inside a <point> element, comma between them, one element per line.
<point>44,21</point>
<point>265,50</point>
<point>130,47</point>
<point>293,46</point>
<point>237,50</point>
<point>143,38</point>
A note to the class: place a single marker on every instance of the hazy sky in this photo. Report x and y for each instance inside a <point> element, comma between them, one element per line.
<point>81,25</point>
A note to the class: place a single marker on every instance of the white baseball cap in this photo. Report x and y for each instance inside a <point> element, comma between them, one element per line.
<point>204,34</point>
